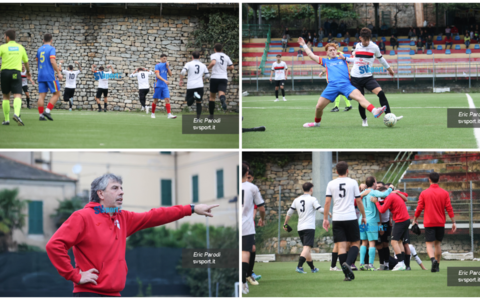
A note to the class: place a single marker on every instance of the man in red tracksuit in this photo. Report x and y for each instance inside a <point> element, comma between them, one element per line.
<point>395,202</point>
<point>434,200</point>
<point>99,238</point>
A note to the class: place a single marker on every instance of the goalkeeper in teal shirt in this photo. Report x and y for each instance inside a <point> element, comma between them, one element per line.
<point>369,231</point>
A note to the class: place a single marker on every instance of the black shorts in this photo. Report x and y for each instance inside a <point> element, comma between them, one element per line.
<point>190,98</point>
<point>25,88</point>
<point>362,83</point>
<point>68,93</point>
<point>100,92</point>
<point>143,92</point>
<point>400,230</point>
<point>384,238</point>
<point>345,231</point>
<point>307,237</point>
<point>279,82</point>
<point>434,234</point>
<point>11,82</point>
<point>406,237</point>
<point>247,242</point>
<point>217,85</point>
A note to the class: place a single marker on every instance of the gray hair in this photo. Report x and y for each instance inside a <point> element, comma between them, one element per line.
<point>100,184</point>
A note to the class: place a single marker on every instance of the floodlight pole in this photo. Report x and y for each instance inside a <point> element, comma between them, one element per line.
<point>209,270</point>
<point>279,216</point>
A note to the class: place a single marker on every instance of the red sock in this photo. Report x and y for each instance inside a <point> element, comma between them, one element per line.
<point>370,107</point>
<point>153,107</point>
<point>50,106</point>
<point>40,109</point>
<point>317,120</point>
<point>167,106</point>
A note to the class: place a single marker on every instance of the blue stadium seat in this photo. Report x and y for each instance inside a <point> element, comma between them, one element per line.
<point>412,43</point>
<point>292,50</point>
<point>412,52</point>
<point>429,52</point>
<point>339,44</point>
<point>457,38</point>
<point>320,45</point>
<point>457,47</point>
<point>392,52</point>
<point>468,51</point>
<point>447,51</point>
<point>339,35</point>
<point>439,38</point>
<point>439,47</point>
<point>345,49</point>
<point>354,44</point>
<point>384,39</point>
<point>477,46</point>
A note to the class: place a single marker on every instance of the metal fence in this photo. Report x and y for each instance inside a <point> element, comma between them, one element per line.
<point>255,30</point>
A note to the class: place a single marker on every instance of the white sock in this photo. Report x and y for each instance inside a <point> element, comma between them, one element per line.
<point>47,110</point>
<point>317,123</point>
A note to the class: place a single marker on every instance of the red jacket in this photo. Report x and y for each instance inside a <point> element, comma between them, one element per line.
<point>397,207</point>
<point>99,241</point>
<point>434,200</point>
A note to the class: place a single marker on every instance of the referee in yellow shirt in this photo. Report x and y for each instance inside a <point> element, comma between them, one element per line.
<point>12,55</point>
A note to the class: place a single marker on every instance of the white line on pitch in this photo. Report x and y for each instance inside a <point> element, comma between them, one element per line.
<point>288,107</point>
<point>476,131</point>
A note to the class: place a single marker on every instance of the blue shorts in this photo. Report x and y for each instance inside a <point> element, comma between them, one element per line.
<point>45,86</point>
<point>331,91</point>
<point>161,92</point>
<point>369,231</point>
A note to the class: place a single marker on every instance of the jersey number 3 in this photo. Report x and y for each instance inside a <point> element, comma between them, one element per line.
<point>303,206</point>
<point>198,69</point>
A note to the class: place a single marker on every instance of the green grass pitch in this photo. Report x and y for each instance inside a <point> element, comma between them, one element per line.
<point>424,123</point>
<point>110,130</point>
<point>279,279</point>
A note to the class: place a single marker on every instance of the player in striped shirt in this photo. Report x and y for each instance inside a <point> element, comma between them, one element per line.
<point>47,66</point>
<point>280,68</point>
<point>362,72</point>
<point>338,78</point>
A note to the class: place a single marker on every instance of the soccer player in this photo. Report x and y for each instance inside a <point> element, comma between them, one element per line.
<point>369,232</point>
<point>102,89</point>
<point>413,254</point>
<point>306,207</point>
<point>362,72</point>
<point>344,191</point>
<point>348,105</point>
<point>281,74</point>
<point>250,197</point>
<point>143,84</point>
<point>220,64</point>
<point>435,201</point>
<point>396,203</point>
<point>253,276</point>
<point>47,67</point>
<point>338,83</point>
<point>12,55</point>
<point>25,85</point>
<point>196,70</point>
<point>162,71</point>
<point>382,244</point>
<point>70,82</point>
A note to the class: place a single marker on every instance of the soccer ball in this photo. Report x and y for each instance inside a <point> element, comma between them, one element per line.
<point>390,120</point>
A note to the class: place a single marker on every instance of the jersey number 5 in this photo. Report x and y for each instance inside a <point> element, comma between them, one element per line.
<point>221,58</point>
<point>341,187</point>
<point>42,57</point>
<point>303,206</point>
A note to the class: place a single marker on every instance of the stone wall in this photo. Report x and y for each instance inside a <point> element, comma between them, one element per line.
<point>124,38</point>
<point>299,170</point>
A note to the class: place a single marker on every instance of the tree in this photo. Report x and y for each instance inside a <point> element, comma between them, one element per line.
<point>11,217</point>
<point>66,208</point>
<point>400,8</point>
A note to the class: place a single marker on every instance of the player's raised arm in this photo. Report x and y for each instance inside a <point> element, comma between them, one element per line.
<point>53,61</point>
<point>93,68</point>
<point>308,51</point>
<point>79,67</point>
<point>111,68</point>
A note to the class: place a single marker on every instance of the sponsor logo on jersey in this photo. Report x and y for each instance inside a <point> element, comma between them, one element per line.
<point>101,75</point>
<point>13,49</point>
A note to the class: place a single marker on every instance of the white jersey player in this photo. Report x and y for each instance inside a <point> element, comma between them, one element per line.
<point>280,69</point>
<point>70,82</point>
<point>25,84</point>
<point>306,206</point>
<point>414,255</point>
<point>102,89</point>
<point>142,75</point>
<point>196,71</point>
<point>220,64</point>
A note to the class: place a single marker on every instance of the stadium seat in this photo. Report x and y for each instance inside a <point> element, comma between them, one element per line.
<point>412,43</point>
<point>457,47</point>
<point>457,38</point>
<point>447,51</point>
<point>392,52</point>
<point>468,51</point>
<point>345,49</point>
<point>339,35</point>
<point>320,45</point>
<point>291,50</point>
<point>439,47</point>
<point>339,44</point>
<point>384,39</point>
<point>477,46</point>
<point>439,38</point>
<point>429,52</point>
<point>354,44</point>
<point>412,52</point>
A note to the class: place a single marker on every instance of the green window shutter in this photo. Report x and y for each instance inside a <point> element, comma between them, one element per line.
<point>35,217</point>
<point>166,152</point>
<point>238,180</point>
<point>166,189</point>
<point>219,184</point>
<point>195,189</point>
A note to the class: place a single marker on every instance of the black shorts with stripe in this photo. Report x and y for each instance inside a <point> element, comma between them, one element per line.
<point>11,82</point>
<point>362,83</point>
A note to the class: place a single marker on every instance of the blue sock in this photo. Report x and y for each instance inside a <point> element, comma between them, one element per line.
<point>371,255</point>
<point>363,251</point>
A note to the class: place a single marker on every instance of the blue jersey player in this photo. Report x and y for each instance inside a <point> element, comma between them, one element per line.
<point>47,66</point>
<point>162,71</point>
<point>338,79</point>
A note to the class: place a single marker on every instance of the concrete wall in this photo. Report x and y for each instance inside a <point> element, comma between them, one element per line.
<point>125,39</point>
